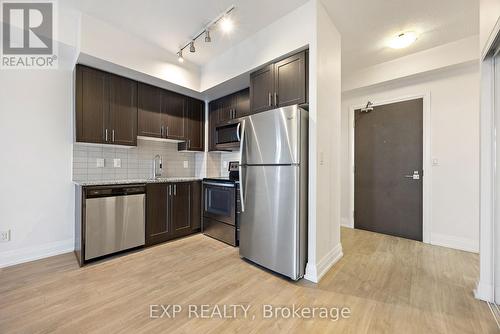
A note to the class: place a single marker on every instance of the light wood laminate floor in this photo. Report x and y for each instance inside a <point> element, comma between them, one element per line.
<point>391,285</point>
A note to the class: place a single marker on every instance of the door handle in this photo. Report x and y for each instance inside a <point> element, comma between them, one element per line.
<point>240,169</point>
<point>414,176</point>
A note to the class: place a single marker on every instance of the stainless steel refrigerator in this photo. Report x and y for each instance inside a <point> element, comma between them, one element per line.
<point>273,186</point>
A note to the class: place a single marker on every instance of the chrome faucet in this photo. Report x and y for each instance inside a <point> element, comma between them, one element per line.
<point>157,166</point>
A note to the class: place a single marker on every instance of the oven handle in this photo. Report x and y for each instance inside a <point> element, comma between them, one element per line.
<point>227,185</point>
<point>240,168</point>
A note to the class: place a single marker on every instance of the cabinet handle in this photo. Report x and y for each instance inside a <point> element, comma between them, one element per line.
<point>189,143</point>
<point>175,190</point>
<point>113,135</point>
<point>106,135</point>
<point>275,99</point>
<point>270,103</point>
<point>167,132</point>
<point>161,131</point>
<point>169,190</point>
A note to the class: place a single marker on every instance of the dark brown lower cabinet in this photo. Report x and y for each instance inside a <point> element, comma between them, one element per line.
<point>172,210</point>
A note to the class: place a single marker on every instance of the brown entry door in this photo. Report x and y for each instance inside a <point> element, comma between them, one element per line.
<point>388,169</point>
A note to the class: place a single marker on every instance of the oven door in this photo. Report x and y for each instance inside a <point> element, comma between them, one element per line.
<point>220,201</point>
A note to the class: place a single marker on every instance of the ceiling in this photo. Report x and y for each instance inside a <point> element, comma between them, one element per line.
<point>365,26</point>
<point>172,23</point>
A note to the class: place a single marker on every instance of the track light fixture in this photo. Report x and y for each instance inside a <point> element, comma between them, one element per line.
<point>226,26</point>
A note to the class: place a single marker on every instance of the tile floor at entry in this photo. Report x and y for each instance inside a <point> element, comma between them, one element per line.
<point>391,285</point>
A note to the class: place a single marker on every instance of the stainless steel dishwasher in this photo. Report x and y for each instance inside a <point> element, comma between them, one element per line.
<point>114,219</point>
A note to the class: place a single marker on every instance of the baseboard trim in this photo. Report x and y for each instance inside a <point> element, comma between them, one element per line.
<point>464,244</point>
<point>27,254</point>
<point>484,292</point>
<point>346,223</point>
<point>314,272</point>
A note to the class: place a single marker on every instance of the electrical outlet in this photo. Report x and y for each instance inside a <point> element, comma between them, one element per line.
<point>99,163</point>
<point>117,163</point>
<point>5,236</point>
<point>186,164</point>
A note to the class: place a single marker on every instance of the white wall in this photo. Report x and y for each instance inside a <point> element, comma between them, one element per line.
<point>291,32</point>
<point>103,41</point>
<point>489,14</point>
<point>446,55</point>
<point>454,104</point>
<point>325,248</point>
<point>36,132</point>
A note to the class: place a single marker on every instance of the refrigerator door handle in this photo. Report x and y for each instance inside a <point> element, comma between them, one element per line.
<point>240,169</point>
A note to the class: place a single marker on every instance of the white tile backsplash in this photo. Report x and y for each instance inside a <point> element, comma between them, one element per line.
<point>136,162</point>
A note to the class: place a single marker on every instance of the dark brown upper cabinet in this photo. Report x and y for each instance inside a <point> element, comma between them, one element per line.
<point>149,111</point>
<point>195,126</point>
<point>173,107</point>
<point>123,110</point>
<point>92,105</point>
<point>242,103</point>
<point>280,84</point>
<point>162,114</point>
<point>262,89</point>
<point>106,108</point>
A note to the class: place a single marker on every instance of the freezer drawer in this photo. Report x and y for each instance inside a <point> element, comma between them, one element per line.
<point>113,224</point>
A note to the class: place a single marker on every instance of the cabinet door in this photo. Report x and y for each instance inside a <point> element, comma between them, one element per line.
<point>92,105</point>
<point>242,103</point>
<point>180,209</point>
<point>149,111</point>
<point>196,205</point>
<point>123,111</point>
<point>196,125</point>
<point>261,89</point>
<point>212,123</point>
<point>158,227</point>
<point>290,81</point>
<point>174,115</point>
<point>225,109</point>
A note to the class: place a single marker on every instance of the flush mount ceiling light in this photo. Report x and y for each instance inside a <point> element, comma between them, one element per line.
<point>403,40</point>
<point>226,25</point>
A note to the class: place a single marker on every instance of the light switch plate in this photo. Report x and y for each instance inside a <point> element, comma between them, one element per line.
<point>186,164</point>
<point>117,163</point>
<point>5,236</point>
<point>99,163</point>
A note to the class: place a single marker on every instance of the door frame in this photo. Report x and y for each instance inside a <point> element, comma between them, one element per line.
<point>426,159</point>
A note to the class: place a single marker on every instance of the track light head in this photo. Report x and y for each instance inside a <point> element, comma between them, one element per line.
<point>191,47</point>
<point>208,39</point>
<point>180,58</point>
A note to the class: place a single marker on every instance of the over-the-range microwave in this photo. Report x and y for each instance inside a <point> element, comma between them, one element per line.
<point>227,136</point>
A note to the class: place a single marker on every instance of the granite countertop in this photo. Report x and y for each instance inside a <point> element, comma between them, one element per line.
<point>134,181</point>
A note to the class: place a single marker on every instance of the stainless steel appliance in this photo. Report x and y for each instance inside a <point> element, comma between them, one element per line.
<point>273,186</point>
<point>114,219</point>
<point>221,207</point>
<point>227,136</point>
